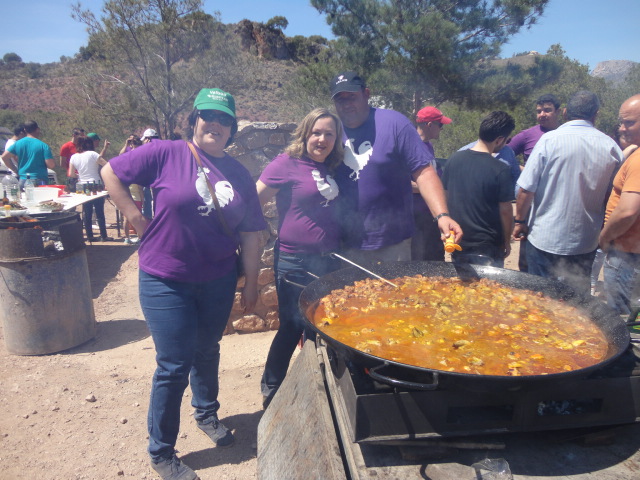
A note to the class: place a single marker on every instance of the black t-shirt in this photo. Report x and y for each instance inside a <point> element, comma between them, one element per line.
<point>476,183</point>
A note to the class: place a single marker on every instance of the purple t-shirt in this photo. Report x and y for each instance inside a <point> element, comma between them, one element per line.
<point>185,241</point>
<point>306,203</point>
<point>419,205</point>
<point>523,142</point>
<point>375,180</point>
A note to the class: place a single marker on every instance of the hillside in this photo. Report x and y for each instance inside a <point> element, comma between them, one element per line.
<point>614,71</point>
<point>59,83</point>
<point>34,87</point>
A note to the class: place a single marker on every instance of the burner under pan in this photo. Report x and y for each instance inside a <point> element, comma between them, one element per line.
<point>380,413</point>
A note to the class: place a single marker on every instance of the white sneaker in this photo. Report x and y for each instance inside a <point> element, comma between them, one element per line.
<point>135,240</point>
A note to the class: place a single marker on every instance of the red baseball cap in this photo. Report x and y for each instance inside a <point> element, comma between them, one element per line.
<point>432,114</point>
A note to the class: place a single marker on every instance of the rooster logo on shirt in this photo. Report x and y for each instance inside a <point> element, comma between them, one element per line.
<point>357,161</point>
<point>223,190</point>
<point>328,187</point>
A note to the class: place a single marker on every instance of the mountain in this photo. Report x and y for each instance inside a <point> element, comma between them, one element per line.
<point>614,71</point>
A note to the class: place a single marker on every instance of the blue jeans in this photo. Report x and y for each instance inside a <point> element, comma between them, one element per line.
<point>619,279</point>
<point>147,203</point>
<point>87,213</point>
<point>291,320</point>
<point>574,270</point>
<point>186,321</point>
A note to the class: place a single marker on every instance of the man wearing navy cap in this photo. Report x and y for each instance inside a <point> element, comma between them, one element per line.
<point>383,153</point>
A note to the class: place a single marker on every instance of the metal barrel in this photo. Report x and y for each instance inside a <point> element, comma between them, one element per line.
<point>46,303</point>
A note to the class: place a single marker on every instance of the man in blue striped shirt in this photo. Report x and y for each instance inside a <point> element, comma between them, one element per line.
<point>565,183</point>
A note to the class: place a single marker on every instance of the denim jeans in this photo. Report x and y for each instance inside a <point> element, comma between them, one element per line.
<point>574,270</point>
<point>87,213</point>
<point>619,279</point>
<point>291,320</point>
<point>147,203</point>
<point>186,321</point>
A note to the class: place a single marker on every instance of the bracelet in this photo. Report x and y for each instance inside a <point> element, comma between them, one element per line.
<point>439,216</point>
<point>519,222</point>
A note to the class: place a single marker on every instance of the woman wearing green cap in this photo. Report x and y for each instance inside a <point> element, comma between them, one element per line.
<point>187,261</point>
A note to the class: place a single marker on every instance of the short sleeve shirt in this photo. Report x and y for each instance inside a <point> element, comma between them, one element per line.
<point>66,151</point>
<point>523,142</point>
<point>306,203</point>
<point>627,180</point>
<point>476,184</point>
<point>381,155</point>
<point>88,166</point>
<point>32,154</point>
<point>569,171</point>
<point>185,240</point>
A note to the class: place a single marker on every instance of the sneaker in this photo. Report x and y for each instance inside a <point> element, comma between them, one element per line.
<point>106,239</point>
<point>135,240</point>
<point>217,432</point>
<point>173,469</point>
<point>127,241</point>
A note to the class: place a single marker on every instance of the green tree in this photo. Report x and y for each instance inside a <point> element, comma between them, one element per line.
<point>12,58</point>
<point>425,50</point>
<point>152,58</point>
<point>277,22</point>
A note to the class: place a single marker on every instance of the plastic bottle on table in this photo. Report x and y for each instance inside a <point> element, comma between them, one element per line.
<point>29,191</point>
<point>12,187</point>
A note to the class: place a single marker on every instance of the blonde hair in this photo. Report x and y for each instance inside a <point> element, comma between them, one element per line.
<point>297,148</point>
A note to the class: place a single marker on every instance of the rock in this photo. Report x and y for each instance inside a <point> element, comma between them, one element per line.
<point>272,320</point>
<point>90,398</point>
<point>269,296</point>
<point>265,276</point>
<point>237,306</point>
<point>249,324</point>
<point>123,420</point>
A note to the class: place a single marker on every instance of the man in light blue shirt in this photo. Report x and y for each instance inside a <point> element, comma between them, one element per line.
<point>565,183</point>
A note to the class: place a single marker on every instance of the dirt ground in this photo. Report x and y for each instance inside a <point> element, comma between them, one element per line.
<point>49,428</point>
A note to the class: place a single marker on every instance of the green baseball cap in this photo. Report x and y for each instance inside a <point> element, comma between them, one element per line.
<point>215,99</point>
<point>93,136</point>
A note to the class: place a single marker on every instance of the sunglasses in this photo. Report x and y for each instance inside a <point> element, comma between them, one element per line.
<point>216,116</point>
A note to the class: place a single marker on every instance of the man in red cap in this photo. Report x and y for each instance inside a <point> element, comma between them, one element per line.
<point>426,243</point>
<point>430,121</point>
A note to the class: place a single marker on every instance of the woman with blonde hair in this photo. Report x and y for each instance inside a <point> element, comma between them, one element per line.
<point>306,194</point>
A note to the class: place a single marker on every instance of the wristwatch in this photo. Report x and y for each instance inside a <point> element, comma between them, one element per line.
<point>439,216</point>
<point>519,222</point>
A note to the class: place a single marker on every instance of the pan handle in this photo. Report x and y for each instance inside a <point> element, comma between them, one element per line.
<point>373,373</point>
<point>288,280</point>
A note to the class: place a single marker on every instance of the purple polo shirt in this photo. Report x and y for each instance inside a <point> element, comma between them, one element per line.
<point>185,241</point>
<point>523,142</point>
<point>306,203</point>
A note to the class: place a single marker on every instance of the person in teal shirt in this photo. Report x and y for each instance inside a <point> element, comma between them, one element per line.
<point>30,155</point>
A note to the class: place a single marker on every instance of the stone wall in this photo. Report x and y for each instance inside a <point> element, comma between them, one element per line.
<point>255,146</point>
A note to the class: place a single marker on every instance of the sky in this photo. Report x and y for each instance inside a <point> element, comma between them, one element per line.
<point>590,31</point>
